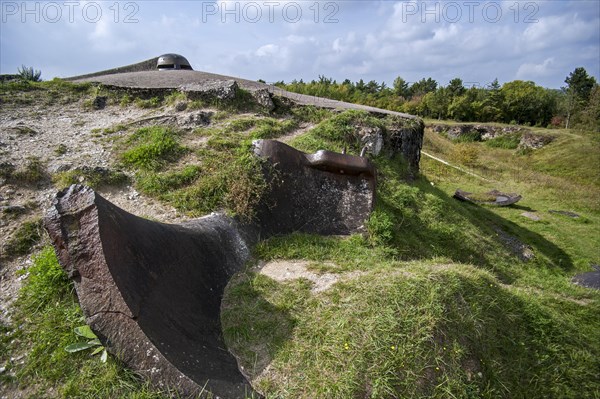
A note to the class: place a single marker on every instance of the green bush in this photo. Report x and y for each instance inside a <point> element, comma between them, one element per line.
<point>28,74</point>
<point>508,141</point>
<point>466,154</point>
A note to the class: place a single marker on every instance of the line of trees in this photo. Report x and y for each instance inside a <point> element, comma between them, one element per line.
<point>521,102</point>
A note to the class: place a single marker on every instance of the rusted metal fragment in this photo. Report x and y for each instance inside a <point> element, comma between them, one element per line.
<point>152,291</point>
<point>493,197</point>
<point>334,162</point>
<point>321,193</point>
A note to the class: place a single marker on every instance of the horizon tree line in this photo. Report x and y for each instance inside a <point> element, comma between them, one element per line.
<point>518,102</point>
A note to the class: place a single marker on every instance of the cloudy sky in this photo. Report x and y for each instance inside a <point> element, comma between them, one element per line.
<point>283,40</point>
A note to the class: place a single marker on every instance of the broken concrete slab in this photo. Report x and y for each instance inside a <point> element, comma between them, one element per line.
<point>565,213</point>
<point>220,89</point>
<point>321,193</point>
<point>493,197</point>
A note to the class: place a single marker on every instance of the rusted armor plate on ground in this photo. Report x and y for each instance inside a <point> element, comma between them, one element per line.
<point>152,291</point>
<point>493,197</point>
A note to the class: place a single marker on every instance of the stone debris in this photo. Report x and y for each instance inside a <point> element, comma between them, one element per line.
<point>264,99</point>
<point>532,215</point>
<point>589,279</point>
<point>477,132</point>
<point>534,141</point>
<point>565,213</point>
<point>220,89</point>
<point>371,138</point>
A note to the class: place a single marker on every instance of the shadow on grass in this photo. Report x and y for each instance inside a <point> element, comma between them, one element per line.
<point>522,208</point>
<point>520,344</point>
<point>254,328</point>
<point>429,223</point>
<point>481,337</point>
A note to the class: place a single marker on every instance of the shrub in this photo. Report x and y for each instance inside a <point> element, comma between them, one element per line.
<point>465,154</point>
<point>28,74</point>
<point>507,141</point>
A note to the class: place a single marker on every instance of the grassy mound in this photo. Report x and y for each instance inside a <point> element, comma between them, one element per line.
<point>434,301</point>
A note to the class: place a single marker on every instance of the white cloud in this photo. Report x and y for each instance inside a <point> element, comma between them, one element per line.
<point>267,50</point>
<point>534,71</point>
<point>557,31</point>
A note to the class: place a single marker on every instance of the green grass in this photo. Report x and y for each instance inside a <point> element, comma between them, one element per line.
<point>56,91</point>
<point>153,102</point>
<point>94,177</point>
<point>224,174</point>
<point>46,312</point>
<point>337,132</point>
<point>431,302</point>
<point>230,179</point>
<point>152,148</point>
<point>160,184</point>
<point>310,113</point>
<point>507,141</point>
<point>175,97</point>
<point>340,131</point>
<point>441,307</point>
<point>409,330</point>
<point>27,235</point>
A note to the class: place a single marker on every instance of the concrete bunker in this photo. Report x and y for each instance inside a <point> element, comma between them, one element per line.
<point>172,61</point>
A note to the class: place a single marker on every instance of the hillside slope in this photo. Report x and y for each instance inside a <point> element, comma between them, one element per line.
<point>436,300</point>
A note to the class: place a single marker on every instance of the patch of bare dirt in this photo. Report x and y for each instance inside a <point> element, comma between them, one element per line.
<point>301,130</point>
<point>285,270</point>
